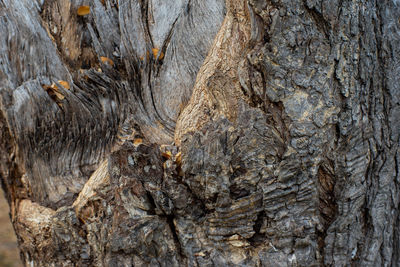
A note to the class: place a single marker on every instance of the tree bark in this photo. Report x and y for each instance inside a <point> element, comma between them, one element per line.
<point>201,132</point>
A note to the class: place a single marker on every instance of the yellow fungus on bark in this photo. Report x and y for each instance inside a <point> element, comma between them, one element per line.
<point>155,53</point>
<point>65,84</point>
<point>106,60</point>
<point>137,141</point>
<point>83,10</point>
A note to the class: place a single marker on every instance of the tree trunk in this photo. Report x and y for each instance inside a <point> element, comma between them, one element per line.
<point>202,132</point>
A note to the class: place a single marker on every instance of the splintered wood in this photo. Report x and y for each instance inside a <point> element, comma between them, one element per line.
<point>54,92</point>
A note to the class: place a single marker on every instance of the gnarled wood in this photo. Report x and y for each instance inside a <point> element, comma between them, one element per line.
<point>202,133</point>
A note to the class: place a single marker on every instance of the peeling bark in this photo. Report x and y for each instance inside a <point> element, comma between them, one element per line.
<point>202,133</point>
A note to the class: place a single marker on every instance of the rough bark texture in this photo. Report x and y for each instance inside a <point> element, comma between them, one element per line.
<point>257,133</point>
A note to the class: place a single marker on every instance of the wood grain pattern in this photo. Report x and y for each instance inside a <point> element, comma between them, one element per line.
<point>202,133</point>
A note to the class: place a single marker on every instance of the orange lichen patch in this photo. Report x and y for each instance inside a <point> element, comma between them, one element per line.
<point>137,141</point>
<point>83,10</point>
<point>166,154</point>
<point>106,60</point>
<point>65,84</point>
<point>155,53</point>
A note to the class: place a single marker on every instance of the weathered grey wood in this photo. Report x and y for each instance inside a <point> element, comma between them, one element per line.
<point>260,133</point>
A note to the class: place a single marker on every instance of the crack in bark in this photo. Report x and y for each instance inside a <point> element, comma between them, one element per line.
<point>322,24</point>
<point>170,220</point>
<point>258,238</point>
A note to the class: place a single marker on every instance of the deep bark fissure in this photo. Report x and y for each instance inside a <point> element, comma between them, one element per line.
<point>165,45</point>
<point>322,24</point>
<point>152,203</point>
<point>258,238</point>
<point>170,221</point>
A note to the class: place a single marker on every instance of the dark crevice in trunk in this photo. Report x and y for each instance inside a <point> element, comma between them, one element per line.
<point>396,226</point>
<point>327,203</point>
<point>149,68</point>
<point>322,24</point>
<point>87,57</point>
<point>145,19</point>
<point>10,173</point>
<point>188,6</point>
<point>179,176</point>
<point>170,221</point>
<point>164,46</point>
<point>198,202</point>
<point>152,204</point>
<point>395,240</point>
<point>258,238</point>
